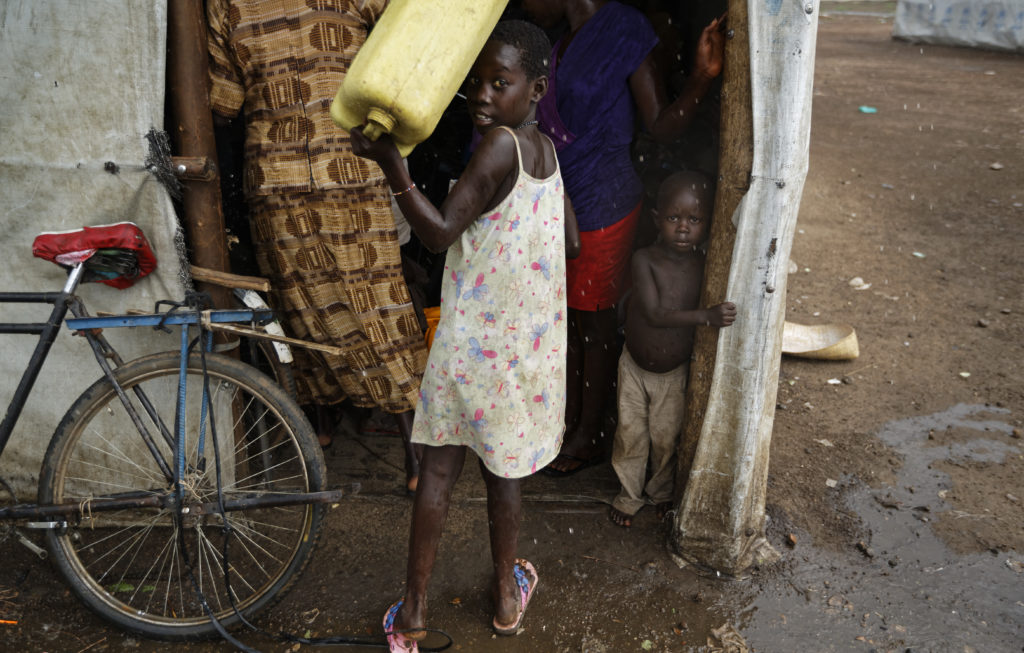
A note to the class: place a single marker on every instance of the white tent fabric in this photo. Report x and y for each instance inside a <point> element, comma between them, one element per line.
<point>81,84</point>
<point>721,521</point>
<point>989,24</point>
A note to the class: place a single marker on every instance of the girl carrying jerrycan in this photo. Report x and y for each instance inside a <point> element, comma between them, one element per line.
<point>495,378</point>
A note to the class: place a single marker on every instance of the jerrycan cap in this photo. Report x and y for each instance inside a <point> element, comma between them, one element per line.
<point>378,121</point>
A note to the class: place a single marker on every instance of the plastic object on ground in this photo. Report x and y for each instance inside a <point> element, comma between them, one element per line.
<point>822,341</point>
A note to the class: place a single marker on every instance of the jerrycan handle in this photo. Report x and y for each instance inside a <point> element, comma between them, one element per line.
<point>378,121</point>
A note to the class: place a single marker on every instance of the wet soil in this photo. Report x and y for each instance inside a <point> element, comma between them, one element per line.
<point>894,488</point>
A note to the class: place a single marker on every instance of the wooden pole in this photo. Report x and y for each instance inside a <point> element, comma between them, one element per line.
<point>191,128</point>
<point>720,517</point>
<point>736,151</point>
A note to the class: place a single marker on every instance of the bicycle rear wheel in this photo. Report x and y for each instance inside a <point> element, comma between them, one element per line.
<point>129,565</point>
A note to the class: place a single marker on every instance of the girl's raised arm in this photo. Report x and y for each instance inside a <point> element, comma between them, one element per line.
<point>486,180</point>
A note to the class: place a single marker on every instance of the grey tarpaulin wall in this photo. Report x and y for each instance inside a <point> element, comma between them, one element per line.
<point>81,83</point>
<point>721,520</point>
<point>989,24</point>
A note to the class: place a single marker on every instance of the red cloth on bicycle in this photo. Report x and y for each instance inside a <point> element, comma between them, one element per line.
<point>71,247</point>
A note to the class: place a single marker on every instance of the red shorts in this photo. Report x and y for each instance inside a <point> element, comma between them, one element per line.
<point>597,279</point>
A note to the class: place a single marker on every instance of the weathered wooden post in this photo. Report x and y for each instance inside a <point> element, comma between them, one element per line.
<point>766,111</point>
<point>192,133</point>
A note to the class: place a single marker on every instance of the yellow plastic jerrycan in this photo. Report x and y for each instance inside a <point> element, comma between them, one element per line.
<point>411,66</point>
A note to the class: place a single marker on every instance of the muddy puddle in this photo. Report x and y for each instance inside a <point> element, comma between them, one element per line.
<point>902,587</point>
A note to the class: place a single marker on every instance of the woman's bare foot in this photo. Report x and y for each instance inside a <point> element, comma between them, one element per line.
<point>663,509</point>
<point>578,452</point>
<point>325,419</point>
<point>620,518</point>
<point>566,464</point>
<point>413,454</point>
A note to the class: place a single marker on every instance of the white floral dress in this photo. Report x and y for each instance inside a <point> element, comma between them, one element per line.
<point>495,377</point>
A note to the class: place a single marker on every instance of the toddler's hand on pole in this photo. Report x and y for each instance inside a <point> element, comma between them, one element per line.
<point>722,315</point>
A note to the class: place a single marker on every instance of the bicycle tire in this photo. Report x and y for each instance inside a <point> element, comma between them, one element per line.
<point>126,565</point>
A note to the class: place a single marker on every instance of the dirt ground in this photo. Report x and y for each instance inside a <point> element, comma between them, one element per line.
<point>894,489</point>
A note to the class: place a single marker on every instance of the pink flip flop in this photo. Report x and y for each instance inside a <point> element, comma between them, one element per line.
<point>397,642</point>
<point>523,571</point>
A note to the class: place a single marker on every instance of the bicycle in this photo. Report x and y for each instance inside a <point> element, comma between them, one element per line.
<point>183,491</point>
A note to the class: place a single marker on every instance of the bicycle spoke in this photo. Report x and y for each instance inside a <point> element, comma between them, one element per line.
<point>122,537</point>
<point>160,558</point>
<point>122,548</point>
<point>270,469</point>
<point>249,530</point>
<point>283,445</point>
<point>154,476</point>
<point>244,540</point>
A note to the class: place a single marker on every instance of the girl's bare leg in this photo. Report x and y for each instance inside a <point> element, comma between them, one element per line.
<point>439,470</point>
<point>503,515</point>
<point>413,452</point>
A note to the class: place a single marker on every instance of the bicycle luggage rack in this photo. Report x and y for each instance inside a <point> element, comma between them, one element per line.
<point>165,500</point>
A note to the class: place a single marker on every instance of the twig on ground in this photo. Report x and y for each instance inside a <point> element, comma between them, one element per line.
<point>98,641</point>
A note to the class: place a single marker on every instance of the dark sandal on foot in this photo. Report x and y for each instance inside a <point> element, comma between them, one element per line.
<point>582,463</point>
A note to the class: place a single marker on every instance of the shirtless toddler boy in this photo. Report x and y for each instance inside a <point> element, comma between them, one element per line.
<point>660,320</point>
